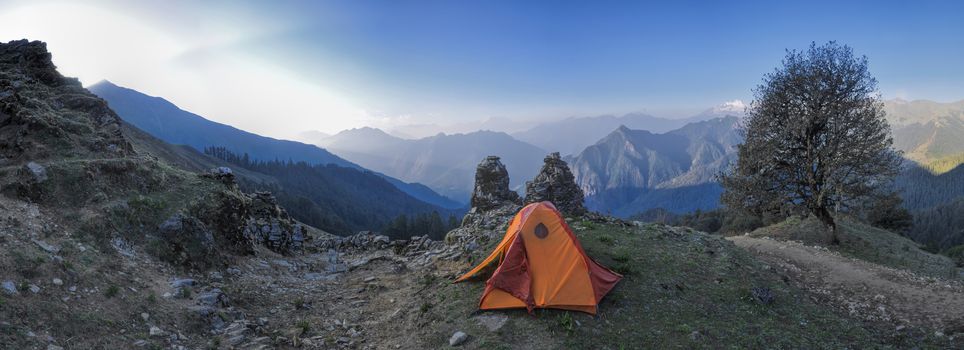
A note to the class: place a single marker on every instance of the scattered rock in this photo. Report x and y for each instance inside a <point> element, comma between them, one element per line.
<point>58,282</point>
<point>9,287</point>
<point>354,333</point>
<point>316,276</point>
<point>46,246</point>
<point>362,241</point>
<point>215,298</point>
<point>762,295</point>
<point>555,183</point>
<point>183,282</point>
<point>458,338</point>
<point>145,316</point>
<point>215,276</point>
<point>492,322</point>
<point>156,331</point>
<point>37,171</point>
<point>237,332</point>
<point>484,225</point>
<point>695,336</point>
<point>122,246</point>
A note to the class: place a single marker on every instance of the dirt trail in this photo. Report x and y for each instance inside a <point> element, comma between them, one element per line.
<point>866,290</point>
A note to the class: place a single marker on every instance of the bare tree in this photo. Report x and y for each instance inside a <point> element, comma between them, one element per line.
<point>815,138</point>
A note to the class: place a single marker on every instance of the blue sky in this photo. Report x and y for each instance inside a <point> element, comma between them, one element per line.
<point>330,65</point>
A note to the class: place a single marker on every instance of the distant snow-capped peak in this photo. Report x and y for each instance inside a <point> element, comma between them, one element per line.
<point>735,106</point>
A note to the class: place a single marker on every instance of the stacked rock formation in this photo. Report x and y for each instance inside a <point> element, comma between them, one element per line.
<point>492,186</point>
<point>493,205</point>
<point>555,183</point>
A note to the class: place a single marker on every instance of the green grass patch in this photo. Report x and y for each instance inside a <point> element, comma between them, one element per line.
<point>681,289</point>
<point>864,242</point>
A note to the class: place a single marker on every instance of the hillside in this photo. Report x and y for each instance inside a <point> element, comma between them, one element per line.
<point>445,163</point>
<point>167,122</point>
<point>78,194</point>
<point>171,124</point>
<point>927,131</point>
<point>630,171</point>
<point>336,199</point>
<point>934,200</point>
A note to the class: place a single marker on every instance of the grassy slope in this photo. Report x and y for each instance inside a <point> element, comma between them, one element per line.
<point>185,157</point>
<point>682,289</point>
<point>867,243</point>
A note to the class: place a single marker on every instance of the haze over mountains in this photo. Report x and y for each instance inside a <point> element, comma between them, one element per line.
<point>167,122</point>
<point>446,163</point>
<point>626,165</point>
<point>570,136</point>
<point>316,186</point>
<point>927,131</point>
<point>931,134</point>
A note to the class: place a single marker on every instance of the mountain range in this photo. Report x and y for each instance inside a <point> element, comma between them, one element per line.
<point>314,185</point>
<point>572,135</point>
<point>629,171</point>
<point>625,165</point>
<point>167,122</point>
<point>927,131</point>
<point>423,130</point>
<point>446,163</point>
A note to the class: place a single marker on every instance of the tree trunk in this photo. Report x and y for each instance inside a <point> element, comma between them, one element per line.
<point>824,215</point>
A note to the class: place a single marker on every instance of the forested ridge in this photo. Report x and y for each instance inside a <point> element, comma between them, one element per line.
<point>336,199</point>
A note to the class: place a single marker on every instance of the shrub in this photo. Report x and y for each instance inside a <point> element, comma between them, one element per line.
<point>957,254</point>
<point>111,291</point>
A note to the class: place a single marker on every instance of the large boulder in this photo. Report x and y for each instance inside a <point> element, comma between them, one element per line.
<point>492,186</point>
<point>186,241</point>
<point>555,183</point>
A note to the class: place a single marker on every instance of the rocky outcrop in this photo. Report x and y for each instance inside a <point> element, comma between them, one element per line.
<point>228,221</point>
<point>367,241</point>
<point>270,225</point>
<point>44,115</point>
<point>223,174</point>
<point>556,184</point>
<point>71,152</point>
<point>493,205</point>
<point>492,186</point>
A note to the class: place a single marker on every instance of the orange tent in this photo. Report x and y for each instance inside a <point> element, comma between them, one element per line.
<point>542,265</point>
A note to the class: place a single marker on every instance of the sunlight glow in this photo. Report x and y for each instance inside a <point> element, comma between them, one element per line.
<point>201,70</point>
